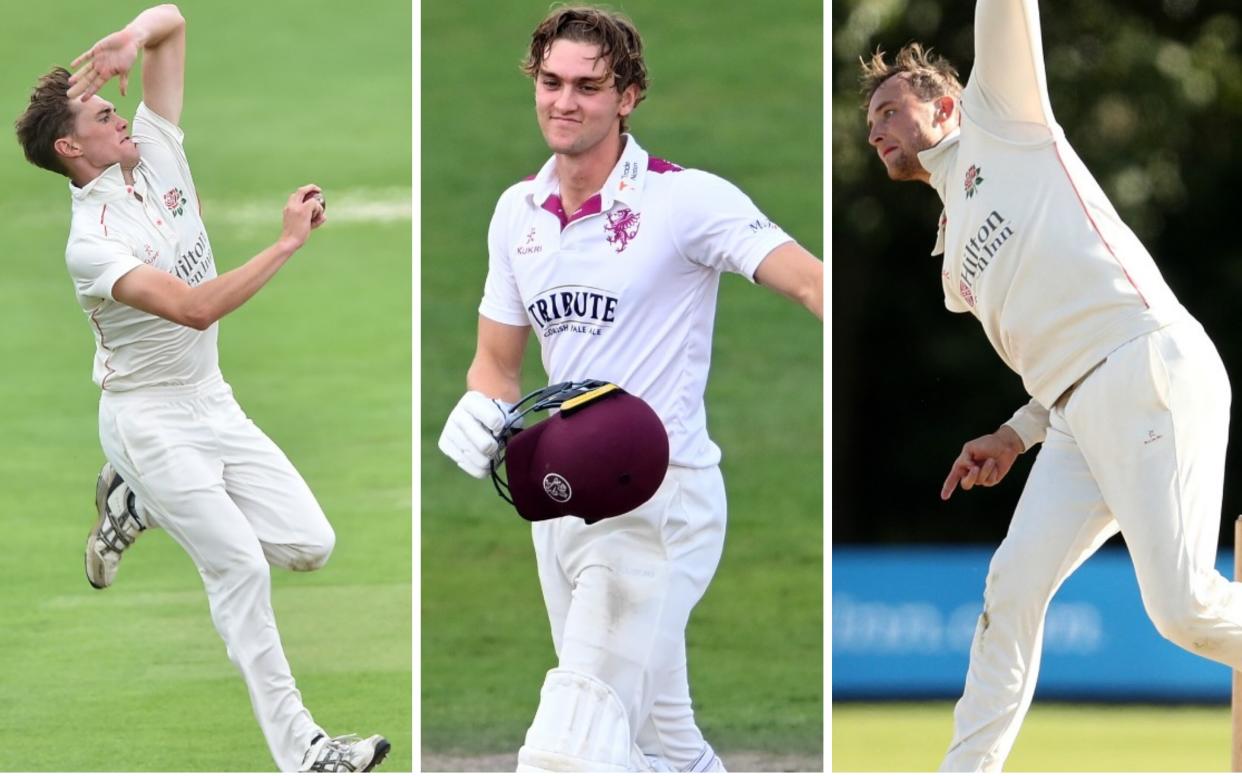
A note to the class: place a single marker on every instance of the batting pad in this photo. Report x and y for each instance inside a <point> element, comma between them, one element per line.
<point>580,727</point>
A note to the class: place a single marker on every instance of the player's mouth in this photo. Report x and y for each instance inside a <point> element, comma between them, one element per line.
<point>887,151</point>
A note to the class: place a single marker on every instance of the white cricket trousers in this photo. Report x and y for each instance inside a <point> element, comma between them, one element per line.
<point>234,502</point>
<point>619,595</point>
<point>1138,446</point>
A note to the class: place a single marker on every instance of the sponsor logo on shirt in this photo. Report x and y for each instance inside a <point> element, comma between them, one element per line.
<point>974,177</point>
<point>966,293</point>
<point>574,309</point>
<point>621,226</point>
<point>153,254</point>
<point>979,252</point>
<point>759,224</point>
<point>175,201</point>
<point>530,247</point>
<point>192,265</point>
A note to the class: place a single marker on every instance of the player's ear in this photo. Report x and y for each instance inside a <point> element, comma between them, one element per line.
<point>64,146</point>
<point>629,100</point>
<point>946,110</point>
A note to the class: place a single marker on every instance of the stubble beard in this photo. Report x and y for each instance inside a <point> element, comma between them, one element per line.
<point>905,167</point>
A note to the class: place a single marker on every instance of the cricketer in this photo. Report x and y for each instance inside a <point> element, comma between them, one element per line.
<point>182,455</point>
<point>1129,399</point>
<point>613,257</point>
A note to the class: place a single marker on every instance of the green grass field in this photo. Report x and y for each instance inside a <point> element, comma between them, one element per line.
<point>1055,737</point>
<point>135,678</point>
<point>736,89</point>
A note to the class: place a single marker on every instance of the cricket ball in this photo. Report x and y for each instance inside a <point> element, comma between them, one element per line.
<point>316,195</point>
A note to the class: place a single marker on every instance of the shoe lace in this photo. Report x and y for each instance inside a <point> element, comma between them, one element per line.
<point>116,535</point>
<point>333,755</point>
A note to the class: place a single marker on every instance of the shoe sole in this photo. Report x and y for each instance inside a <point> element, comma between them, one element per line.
<point>101,498</point>
<point>381,751</point>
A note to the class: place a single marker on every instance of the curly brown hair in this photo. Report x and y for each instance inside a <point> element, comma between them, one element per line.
<point>930,75</point>
<point>46,119</point>
<point>620,45</point>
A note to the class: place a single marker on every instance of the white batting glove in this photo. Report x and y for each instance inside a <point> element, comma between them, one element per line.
<point>469,435</point>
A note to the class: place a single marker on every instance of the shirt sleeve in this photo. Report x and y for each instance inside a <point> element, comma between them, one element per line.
<point>161,145</point>
<point>1030,423</point>
<point>720,228</point>
<point>502,302</point>
<point>1007,84</point>
<point>96,263</point>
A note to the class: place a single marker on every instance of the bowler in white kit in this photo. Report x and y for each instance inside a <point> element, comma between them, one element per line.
<point>613,257</point>
<point>1128,395</point>
<point>182,454</point>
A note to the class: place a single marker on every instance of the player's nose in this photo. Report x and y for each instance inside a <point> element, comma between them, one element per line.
<point>565,99</point>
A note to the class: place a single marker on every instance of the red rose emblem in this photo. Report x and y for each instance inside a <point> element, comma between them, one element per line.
<point>973,179</point>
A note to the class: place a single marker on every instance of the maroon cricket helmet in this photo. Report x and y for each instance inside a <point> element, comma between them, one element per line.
<point>603,454</point>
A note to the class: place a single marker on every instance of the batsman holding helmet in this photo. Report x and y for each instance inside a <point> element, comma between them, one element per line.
<point>613,257</point>
<point>183,455</point>
<point>1128,394</point>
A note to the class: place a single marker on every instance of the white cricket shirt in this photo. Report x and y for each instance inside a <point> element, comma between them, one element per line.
<point>625,288</point>
<point>116,228</point>
<point>1032,246</point>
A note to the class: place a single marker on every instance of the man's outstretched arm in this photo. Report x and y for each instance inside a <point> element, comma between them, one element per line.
<point>159,33</point>
<point>1008,82</point>
<point>160,293</point>
<point>792,271</point>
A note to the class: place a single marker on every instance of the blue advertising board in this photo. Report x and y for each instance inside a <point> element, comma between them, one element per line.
<point>903,619</point>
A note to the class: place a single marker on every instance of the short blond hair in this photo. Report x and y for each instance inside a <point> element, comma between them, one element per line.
<point>930,75</point>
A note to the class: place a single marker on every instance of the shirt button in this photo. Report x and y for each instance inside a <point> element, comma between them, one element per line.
<point>159,222</point>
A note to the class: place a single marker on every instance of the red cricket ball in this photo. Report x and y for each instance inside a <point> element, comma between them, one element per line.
<point>316,195</point>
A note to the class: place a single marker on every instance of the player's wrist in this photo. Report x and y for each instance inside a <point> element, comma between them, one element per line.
<point>287,245</point>
<point>136,34</point>
<point>1011,438</point>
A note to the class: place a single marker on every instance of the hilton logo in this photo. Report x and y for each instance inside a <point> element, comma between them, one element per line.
<point>979,252</point>
<point>194,265</point>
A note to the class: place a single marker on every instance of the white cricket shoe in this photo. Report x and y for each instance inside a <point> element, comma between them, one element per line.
<point>344,754</point>
<point>116,528</point>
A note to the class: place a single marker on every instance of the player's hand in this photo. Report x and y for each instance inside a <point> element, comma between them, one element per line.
<point>984,461</point>
<point>111,56</point>
<point>302,213</point>
<point>469,436</point>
